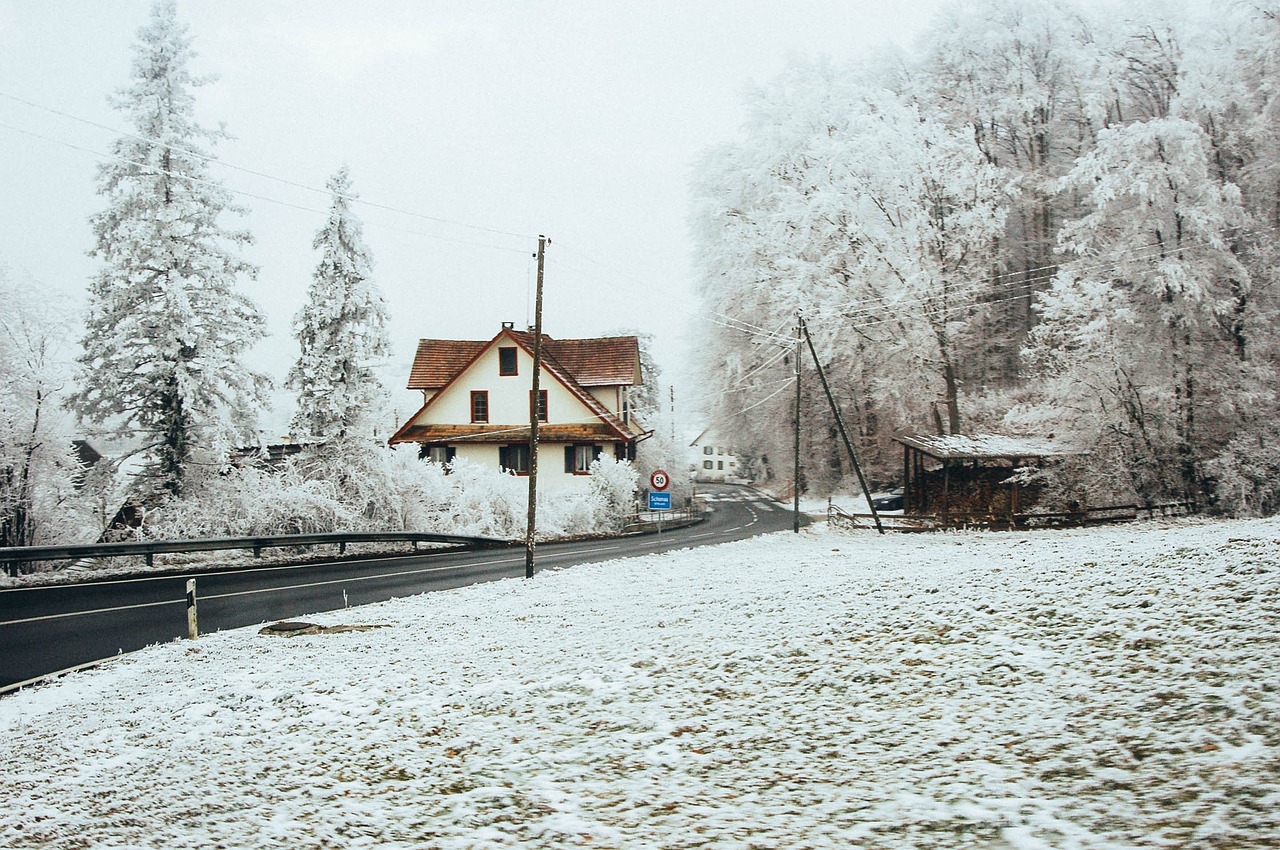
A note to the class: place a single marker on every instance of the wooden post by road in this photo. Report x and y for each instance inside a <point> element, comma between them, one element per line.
<point>193,627</point>
<point>531,528</point>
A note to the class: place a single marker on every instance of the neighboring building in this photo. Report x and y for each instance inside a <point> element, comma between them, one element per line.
<point>477,399</point>
<point>714,460</point>
<point>273,456</point>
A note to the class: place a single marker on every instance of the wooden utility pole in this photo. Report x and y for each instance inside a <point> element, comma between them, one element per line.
<point>835,411</point>
<point>534,398</point>
<point>671,388</point>
<point>795,473</point>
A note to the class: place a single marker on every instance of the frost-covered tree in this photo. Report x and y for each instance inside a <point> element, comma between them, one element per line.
<point>877,221</point>
<point>341,329</point>
<point>1113,167</point>
<point>1030,81</point>
<point>166,326</point>
<point>1144,313</point>
<point>37,468</point>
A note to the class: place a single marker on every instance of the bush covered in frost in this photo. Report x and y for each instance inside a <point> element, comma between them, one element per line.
<point>362,486</point>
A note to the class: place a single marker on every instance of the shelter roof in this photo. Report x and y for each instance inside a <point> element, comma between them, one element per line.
<point>987,446</point>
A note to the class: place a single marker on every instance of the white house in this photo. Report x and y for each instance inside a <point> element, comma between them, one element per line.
<point>714,459</point>
<point>477,400</point>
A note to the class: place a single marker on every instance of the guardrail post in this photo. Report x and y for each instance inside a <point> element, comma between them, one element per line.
<point>193,628</point>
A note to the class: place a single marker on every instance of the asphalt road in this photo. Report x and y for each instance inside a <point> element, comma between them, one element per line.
<point>52,629</point>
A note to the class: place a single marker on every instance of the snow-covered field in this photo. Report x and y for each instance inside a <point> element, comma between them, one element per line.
<point>1116,687</point>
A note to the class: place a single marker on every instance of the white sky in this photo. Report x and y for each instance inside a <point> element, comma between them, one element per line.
<point>580,120</point>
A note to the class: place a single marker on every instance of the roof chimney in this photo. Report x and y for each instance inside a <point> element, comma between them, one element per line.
<point>507,326</point>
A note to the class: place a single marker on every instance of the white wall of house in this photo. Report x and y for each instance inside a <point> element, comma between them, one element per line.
<point>610,397</point>
<point>509,406</point>
<point>552,478</point>
<point>508,394</point>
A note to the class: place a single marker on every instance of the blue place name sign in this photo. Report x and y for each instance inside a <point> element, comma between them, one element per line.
<point>659,501</point>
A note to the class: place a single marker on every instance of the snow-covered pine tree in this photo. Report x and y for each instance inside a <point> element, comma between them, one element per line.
<point>165,326</point>
<point>342,329</point>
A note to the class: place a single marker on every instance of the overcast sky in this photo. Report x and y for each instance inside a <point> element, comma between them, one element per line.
<point>475,126</point>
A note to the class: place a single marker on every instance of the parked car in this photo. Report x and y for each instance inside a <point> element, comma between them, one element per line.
<point>890,501</point>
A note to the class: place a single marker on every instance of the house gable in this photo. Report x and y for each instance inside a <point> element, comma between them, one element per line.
<point>570,407</point>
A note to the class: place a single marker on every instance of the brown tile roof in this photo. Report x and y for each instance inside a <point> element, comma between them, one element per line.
<point>438,360</point>
<point>576,433</point>
<point>600,362</point>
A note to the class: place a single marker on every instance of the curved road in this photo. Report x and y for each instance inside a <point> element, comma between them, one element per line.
<point>51,629</point>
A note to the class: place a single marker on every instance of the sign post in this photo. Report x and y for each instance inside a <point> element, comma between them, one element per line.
<point>659,499</point>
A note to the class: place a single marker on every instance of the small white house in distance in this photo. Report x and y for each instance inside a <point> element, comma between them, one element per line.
<point>478,397</point>
<point>714,460</point>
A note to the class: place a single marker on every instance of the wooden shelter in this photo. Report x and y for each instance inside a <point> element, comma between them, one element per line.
<point>971,478</point>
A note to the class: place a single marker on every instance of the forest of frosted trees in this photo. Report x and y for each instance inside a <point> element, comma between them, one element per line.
<point>1048,219</point>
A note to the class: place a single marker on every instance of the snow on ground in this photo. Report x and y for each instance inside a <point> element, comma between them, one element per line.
<point>1113,687</point>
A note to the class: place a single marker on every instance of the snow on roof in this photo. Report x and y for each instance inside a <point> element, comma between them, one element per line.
<point>986,446</point>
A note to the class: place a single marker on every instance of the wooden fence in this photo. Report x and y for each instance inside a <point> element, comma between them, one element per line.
<point>838,517</point>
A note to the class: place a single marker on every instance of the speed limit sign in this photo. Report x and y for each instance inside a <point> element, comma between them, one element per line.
<point>660,480</point>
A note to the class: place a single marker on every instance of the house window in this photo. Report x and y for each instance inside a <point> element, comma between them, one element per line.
<point>708,464</point>
<point>542,404</point>
<point>578,459</point>
<point>720,451</point>
<point>442,455</point>
<point>720,464</point>
<point>479,405</point>
<point>514,458</point>
<point>707,450</point>
<point>507,361</point>
<point>626,412</point>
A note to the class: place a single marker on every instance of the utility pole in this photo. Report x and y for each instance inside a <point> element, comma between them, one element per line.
<point>795,473</point>
<point>534,398</point>
<point>835,411</point>
<point>671,388</point>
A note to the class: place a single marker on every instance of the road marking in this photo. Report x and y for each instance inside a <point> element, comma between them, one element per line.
<point>183,600</point>
<point>234,571</point>
<point>362,578</point>
<point>754,519</point>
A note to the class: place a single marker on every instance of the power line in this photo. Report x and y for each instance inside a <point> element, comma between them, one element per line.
<point>253,195</point>
<point>266,176</point>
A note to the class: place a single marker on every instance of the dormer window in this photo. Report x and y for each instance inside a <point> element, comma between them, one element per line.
<point>507,361</point>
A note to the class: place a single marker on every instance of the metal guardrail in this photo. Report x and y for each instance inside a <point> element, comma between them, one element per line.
<point>1060,519</point>
<point>150,548</point>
